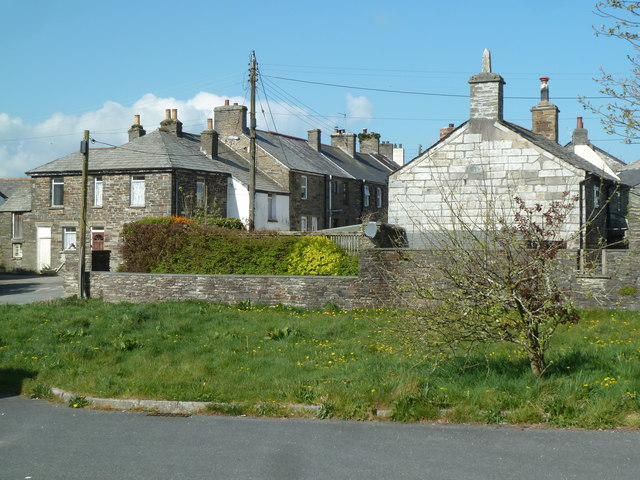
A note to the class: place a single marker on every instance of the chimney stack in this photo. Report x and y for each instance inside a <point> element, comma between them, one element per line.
<point>344,141</point>
<point>386,149</point>
<point>544,115</point>
<point>171,124</point>
<point>580,135</point>
<point>314,138</point>
<point>398,154</point>
<point>486,92</point>
<point>230,120</point>
<point>446,130</point>
<point>136,130</point>
<point>209,140</point>
<point>369,142</point>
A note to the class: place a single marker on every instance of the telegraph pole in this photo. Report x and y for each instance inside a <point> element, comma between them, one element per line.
<point>84,150</point>
<point>252,141</point>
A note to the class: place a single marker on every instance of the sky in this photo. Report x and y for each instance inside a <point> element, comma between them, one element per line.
<point>71,66</point>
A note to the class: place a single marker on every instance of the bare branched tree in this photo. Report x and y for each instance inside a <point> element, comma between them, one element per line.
<point>620,115</point>
<point>493,277</point>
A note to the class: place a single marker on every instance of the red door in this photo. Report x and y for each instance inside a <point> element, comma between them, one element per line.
<point>97,241</point>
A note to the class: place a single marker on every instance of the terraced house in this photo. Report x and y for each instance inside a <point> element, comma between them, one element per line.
<point>300,185</point>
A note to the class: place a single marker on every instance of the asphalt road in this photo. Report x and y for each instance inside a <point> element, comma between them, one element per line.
<point>41,441</point>
<point>29,288</point>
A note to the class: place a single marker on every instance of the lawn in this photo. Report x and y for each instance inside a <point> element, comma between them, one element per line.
<point>348,362</point>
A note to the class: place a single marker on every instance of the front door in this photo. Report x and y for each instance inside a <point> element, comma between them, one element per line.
<point>97,239</point>
<point>44,248</point>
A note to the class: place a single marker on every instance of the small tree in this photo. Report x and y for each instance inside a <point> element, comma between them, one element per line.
<point>620,115</point>
<point>495,280</point>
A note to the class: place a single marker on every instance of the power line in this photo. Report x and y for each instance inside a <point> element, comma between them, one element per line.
<point>409,92</point>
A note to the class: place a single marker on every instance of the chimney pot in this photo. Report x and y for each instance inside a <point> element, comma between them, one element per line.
<point>226,102</point>
<point>235,104</point>
<point>167,113</point>
<point>579,123</point>
<point>136,119</point>
<point>209,123</point>
<point>544,115</point>
<point>174,114</point>
<point>364,130</point>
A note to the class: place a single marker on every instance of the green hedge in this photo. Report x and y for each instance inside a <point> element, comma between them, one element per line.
<point>169,245</point>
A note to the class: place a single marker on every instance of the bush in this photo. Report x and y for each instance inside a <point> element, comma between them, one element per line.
<point>320,256</point>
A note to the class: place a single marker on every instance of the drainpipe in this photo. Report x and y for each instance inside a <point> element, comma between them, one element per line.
<point>362,197</point>
<point>330,216</point>
<point>583,224</point>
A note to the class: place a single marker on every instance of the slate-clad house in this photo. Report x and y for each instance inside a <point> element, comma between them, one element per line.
<point>15,205</point>
<point>166,172</point>
<point>329,185</point>
<point>481,165</point>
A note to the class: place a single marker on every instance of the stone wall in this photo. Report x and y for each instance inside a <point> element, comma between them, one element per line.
<point>388,277</point>
<point>473,175</point>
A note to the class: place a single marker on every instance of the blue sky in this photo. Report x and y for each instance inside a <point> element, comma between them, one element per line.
<point>75,65</point>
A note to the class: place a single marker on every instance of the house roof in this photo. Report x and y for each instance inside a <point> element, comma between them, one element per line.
<point>20,198</point>
<point>296,154</point>
<point>612,160</point>
<point>559,151</point>
<point>9,185</point>
<point>630,174</point>
<point>159,150</point>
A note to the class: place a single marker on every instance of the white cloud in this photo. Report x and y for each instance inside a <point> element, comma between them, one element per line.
<point>359,107</point>
<point>24,146</point>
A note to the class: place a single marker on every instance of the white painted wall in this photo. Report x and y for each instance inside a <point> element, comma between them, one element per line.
<point>238,207</point>
<point>475,174</point>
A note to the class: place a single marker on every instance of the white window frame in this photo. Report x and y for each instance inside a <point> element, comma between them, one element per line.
<point>17,225</point>
<point>314,224</point>
<point>303,224</point>
<point>69,238</point>
<point>57,185</point>
<point>378,197</point>
<point>200,193</point>
<point>366,195</point>
<point>17,250</point>
<point>98,188</point>
<point>138,190</point>
<point>304,187</point>
<point>271,208</point>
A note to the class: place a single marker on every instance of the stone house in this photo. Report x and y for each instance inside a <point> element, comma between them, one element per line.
<point>328,185</point>
<point>15,205</point>
<point>163,173</point>
<point>475,170</point>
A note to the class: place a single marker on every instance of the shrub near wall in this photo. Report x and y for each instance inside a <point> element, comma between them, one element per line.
<point>183,246</point>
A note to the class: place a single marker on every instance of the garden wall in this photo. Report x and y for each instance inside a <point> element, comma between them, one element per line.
<point>388,277</point>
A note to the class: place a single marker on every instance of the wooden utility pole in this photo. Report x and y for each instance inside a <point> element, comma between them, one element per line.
<point>252,142</point>
<point>84,150</point>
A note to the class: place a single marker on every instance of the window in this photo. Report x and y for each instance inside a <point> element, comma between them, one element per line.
<point>200,193</point>
<point>314,224</point>
<point>271,201</point>
<point>367,194</point>
<point>596,196</point>
<point>17,250</point>
<point>16,226</point>
<point>335,186</point>
<point>69,238</point>
<point>303,187</point>
<point>137,191</point>
<point>378,197</point>
<point>57,192</point>
<point>97,191</point>
<point>303,224</point>
<point>345,193</point>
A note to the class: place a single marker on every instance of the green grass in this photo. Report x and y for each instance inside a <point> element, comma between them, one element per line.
<point>349,363</point>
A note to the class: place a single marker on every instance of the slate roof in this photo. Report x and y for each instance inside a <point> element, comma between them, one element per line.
<point>630,174</point>
<point>10,185</point>
<point>20,199</point>
<point>158,151</point>
<point>610,159</point>
<point>296,154</point>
